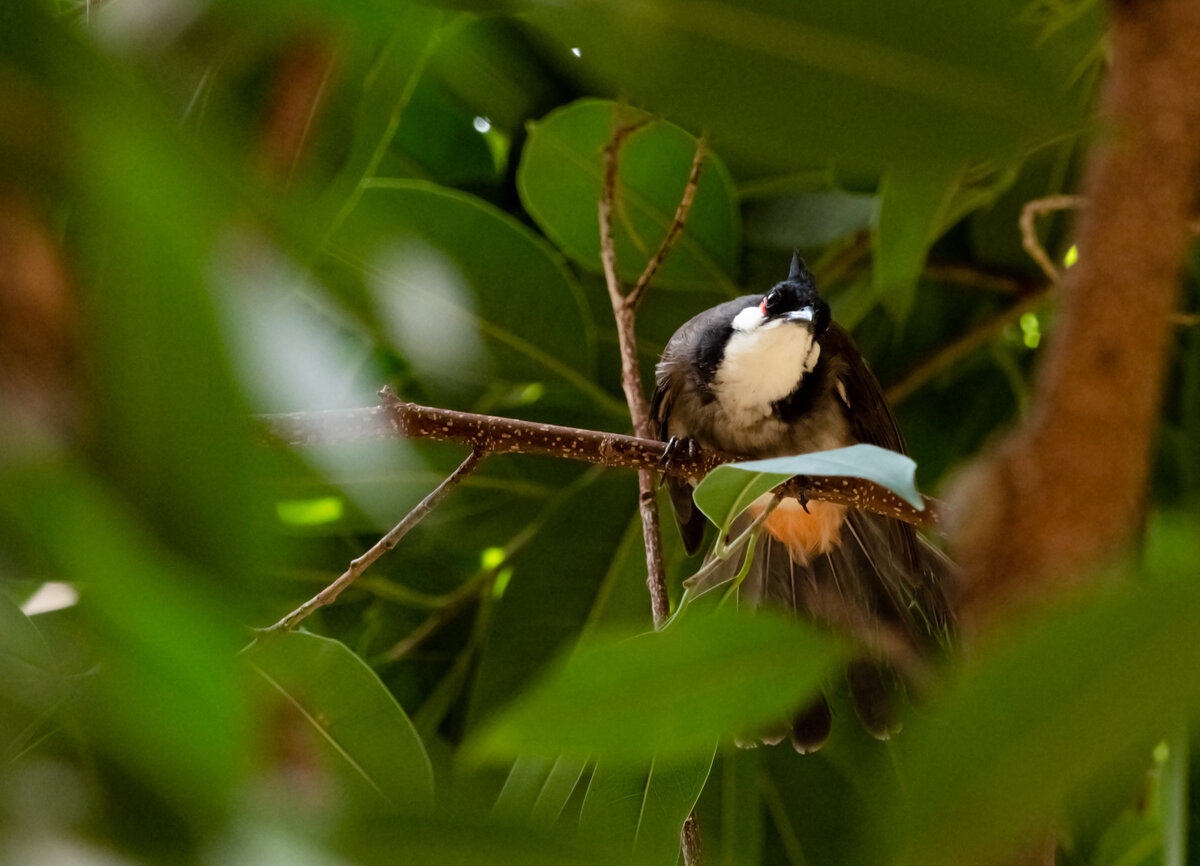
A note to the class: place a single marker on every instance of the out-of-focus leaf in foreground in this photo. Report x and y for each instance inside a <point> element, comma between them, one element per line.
<point>1038,716</point>
<point>342,700</point>
<point>665,695</point>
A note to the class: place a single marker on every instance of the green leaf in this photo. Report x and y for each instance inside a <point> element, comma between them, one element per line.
<point>538,789</point>
<point>391,85</point>
<point>665,695</point>
<point>1040,716</point>
<point>569,574</point>
<point>730,488</point>
<point>344,702</point>
<point>730,811</point>
<point>1174,797</point>
<point>779,87</point>
<point>645,808</point>
<point>807,219</point>
<point>1134,840</point>
<point>560,180</point>
<point>31,687</point>
<point>464,292</point>
<point>912,202</point>
<point>455,838</point>
<point>170,711</point>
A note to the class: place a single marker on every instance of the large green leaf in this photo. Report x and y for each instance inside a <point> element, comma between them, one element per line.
<point>395,78</point>
<point>730,811</point>
<point>168,710</point>
<point>779,86</point>
<point>1038,717</point>
<point>464,291</point>
<point>560,180</point>
<point>645,807</point>
<point>730,488</point>
<point>665,695</point>
<point>912,202</point>
<point>344,702</point>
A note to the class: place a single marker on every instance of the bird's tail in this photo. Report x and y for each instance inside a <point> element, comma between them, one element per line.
<point>883,586</point>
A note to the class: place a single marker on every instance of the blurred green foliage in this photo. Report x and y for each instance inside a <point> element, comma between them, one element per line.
<point>283,206</point>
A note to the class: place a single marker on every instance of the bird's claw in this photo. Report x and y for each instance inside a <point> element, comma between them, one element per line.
<point>678,447</point>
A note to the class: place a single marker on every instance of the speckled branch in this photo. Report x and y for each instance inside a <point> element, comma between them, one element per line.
<point>495,435</point>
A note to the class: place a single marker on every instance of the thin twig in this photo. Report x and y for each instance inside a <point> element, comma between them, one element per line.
<point>608,248</point>
<point>330,593</point>
<point>631,380</point>
<point>1029,238</point>
<point>634,298</point>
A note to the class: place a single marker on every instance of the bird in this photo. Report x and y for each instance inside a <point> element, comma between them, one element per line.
<point>772,375</point>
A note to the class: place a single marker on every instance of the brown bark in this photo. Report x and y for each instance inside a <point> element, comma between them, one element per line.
<point>1066,489</point>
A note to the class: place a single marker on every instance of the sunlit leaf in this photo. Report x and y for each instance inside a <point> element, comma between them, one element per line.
<point>730,488</point>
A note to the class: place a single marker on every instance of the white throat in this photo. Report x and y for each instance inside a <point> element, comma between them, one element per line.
<point>764,361</point>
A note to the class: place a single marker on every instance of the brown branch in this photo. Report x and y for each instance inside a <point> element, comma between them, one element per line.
<point>419,512</point>
<point>631,381</point>
<point>1029,238</point>
<point>1067,489</point>
<point>496,435</point>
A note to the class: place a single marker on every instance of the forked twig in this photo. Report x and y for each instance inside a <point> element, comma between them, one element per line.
<point>624,307</point>
<point>634,298</point>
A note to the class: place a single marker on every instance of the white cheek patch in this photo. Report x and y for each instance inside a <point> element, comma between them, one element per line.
<point>748,319</point>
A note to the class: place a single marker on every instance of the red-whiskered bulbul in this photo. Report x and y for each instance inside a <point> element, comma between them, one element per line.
<point>769,376</point>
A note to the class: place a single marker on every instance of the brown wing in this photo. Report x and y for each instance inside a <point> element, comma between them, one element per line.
<point>871,421</point>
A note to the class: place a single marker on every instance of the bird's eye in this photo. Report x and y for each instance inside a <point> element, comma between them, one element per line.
<point>771,304</point>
